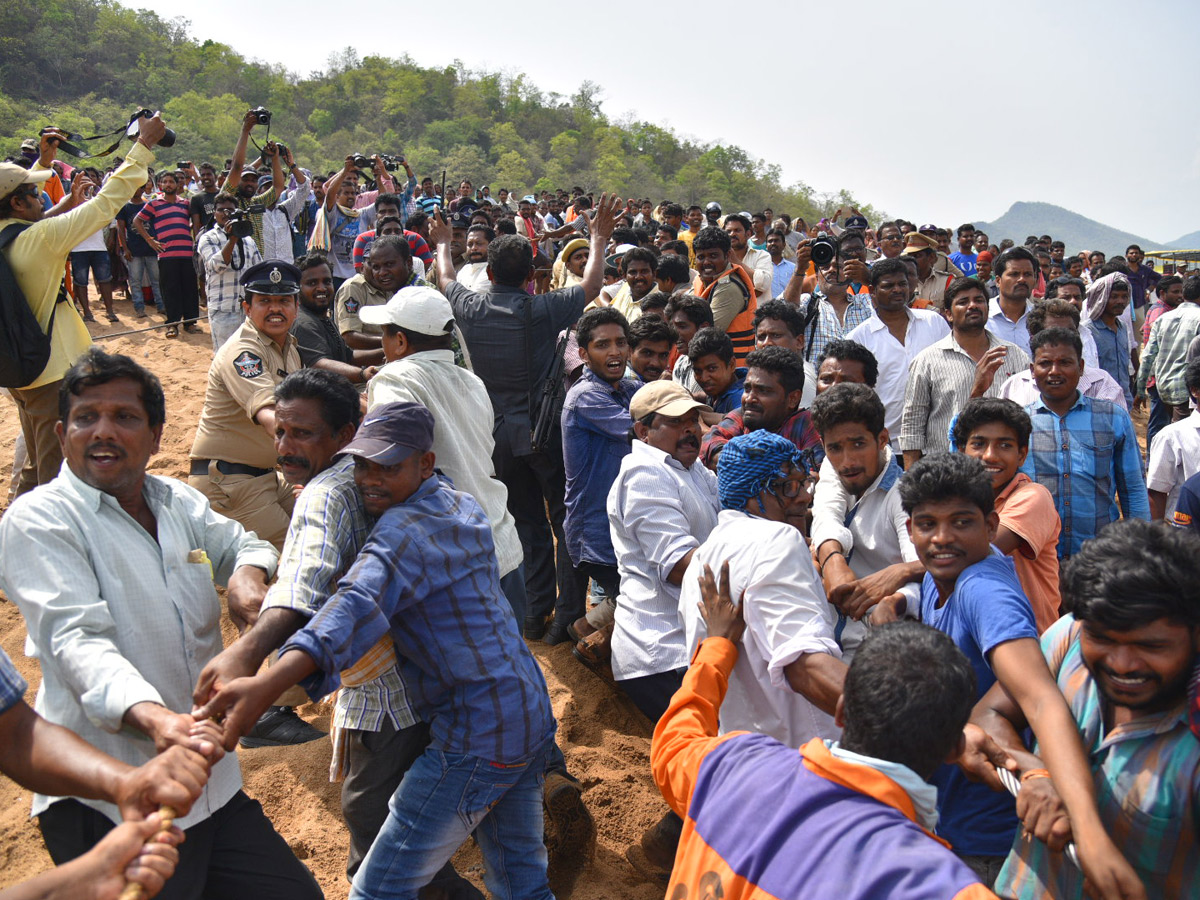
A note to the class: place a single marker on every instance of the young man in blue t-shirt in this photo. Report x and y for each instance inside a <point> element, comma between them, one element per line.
<point>971,592</point>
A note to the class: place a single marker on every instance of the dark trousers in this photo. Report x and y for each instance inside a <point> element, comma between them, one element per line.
<point>652,693</point>
<point>376,763</point>
<point>608,577</point>
<point>536,489</point>
<point>177,281</point>
<point>235,853</point>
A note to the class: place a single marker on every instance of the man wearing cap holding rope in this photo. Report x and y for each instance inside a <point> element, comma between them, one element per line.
<point>37,256</point>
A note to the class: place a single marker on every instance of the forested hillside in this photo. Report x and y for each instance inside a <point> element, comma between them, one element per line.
<point>87,64</point>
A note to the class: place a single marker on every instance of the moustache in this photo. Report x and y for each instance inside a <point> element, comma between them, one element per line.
<point>687,441</point>
<point>297,461</point>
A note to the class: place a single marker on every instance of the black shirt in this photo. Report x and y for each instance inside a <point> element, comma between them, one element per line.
<point>202,205</point>
<point>317,338</point>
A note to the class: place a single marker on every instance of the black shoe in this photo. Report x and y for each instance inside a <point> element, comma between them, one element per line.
<point>535,627</point>
<point>279,726</point>
<point>556,634</point>
<point>570,832</point>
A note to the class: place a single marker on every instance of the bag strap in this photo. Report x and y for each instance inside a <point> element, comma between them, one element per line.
<point>528,302</point>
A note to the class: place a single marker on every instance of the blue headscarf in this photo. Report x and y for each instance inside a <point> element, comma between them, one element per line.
<point>749,462</point>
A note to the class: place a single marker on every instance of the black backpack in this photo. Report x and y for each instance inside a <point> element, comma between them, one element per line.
<point>24,347</point>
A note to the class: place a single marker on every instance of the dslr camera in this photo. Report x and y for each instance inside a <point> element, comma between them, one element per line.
<point>364,162</point>
<point>168,139</point>
<point>262,115</point>
<point>824,250</point>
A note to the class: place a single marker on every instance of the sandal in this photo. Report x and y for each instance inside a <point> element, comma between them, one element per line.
<point>112,317</point>
<point>593,651</point>
<point>173,331</point>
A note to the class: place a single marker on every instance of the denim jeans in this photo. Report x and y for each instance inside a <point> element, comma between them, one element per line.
<point>223,324</point>
<point>147,266</point>
<point>442,799</point>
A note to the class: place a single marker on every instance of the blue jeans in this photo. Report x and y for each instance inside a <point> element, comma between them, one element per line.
<point>147,266</point>
<point>441,800</point>
<point>222,325</point>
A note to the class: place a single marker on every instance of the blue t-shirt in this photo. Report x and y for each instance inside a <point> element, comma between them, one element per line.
<point>965,261</point>
<point>1187,509</point>
<point>732,398</point>
<point>987,608</point>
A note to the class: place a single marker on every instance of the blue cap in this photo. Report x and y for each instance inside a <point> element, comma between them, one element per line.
<point>273,276</point>
<point>392,432</point>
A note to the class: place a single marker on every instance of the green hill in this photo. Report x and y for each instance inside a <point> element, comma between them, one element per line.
<point>86,65</point>
<point>1076,231</point>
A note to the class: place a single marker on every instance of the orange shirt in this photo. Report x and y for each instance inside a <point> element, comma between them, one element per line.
<point>1027,510</point>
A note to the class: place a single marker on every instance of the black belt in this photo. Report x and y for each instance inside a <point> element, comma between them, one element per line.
<point>200,467</point>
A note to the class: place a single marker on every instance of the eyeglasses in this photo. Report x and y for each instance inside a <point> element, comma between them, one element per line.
<point>786,487</point>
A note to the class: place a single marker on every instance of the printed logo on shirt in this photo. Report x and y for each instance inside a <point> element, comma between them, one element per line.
<point>1182,518</point>
<point>248,365</point>
<point>352,306</point>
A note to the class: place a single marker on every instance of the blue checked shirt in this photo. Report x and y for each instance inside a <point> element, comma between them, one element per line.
<point>829,327</point>
<point>428,573</point>
<point>329,527</point>
<point>12,685</point>
<point>1085,459</point>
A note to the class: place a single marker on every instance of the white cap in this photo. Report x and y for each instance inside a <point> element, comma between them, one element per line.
<point>419,309</point>
<point>13,176</point>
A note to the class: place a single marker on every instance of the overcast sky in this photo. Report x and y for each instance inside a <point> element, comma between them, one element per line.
<point>934,111</point>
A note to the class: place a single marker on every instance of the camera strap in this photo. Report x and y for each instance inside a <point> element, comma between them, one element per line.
<point>80,153</point>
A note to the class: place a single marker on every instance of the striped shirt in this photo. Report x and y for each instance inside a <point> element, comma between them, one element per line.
<point>329,527</point>
<point>658,511</point>
<point>12,685</point>
<point>416,243</point>
<point>1147,776</point>
<point>939,385</point>
<point>1085,459</point>
<point>1166,354</point>
<point>798,429</point>
<point>428,574</point>
<point>171,225</point>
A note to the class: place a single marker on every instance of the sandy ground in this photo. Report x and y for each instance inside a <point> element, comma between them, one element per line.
<point>606,741</point>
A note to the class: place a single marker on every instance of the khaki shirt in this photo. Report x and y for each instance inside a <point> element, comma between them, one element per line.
<point>241,381</point>
<point>352,296</point>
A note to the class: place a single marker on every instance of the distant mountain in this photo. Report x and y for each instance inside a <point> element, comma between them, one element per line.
<point>1076,231</point>
<point>1187,242</point>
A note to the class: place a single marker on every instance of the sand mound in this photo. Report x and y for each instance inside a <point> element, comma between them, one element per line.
<point>605,739</point>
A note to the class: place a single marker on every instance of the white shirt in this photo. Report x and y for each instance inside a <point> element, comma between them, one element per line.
<point>1021,389</point>
<point>1004,328</point>
<point>877,536</point>
<point>277,224</point>
<point>787,616</point>
<point>472,276</point>
<point>1174,458</point>
<point>116,618</point>
<point>657,512</point>
<point>1091,356</point>
<point>462,434</point>
<point>762,270</point>
<point>809,394</point>
<point>925,328</point>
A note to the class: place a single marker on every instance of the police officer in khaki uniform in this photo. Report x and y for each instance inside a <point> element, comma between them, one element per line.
<point>233,455</point>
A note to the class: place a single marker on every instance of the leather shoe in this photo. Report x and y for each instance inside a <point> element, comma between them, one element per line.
<point>279,726</point>
<point>556,634</point>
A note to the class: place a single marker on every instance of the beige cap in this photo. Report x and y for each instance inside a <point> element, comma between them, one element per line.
<point>666,397</point>
<point>13,176</point>
<point>916,242</point>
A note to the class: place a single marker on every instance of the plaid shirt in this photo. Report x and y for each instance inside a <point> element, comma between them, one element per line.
<point>1166,353</point>
<point>428,576</point>
<point>798,429</point>
<point>1081,458</point>
<point>221,281</point>
<point>828,327</point>
<point>1147,776</point>
<point>329,526</point>
<point>12,685</point>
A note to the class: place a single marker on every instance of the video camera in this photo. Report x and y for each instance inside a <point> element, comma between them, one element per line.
<point>242,225</point>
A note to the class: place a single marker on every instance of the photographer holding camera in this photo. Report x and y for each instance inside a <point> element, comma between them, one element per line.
<point>226,250</point>
<point>279,214</point>
<point>242,181</point>
<point>37,257</point>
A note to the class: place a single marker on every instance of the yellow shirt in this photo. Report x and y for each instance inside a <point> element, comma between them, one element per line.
<point>241,381</point>
<point>39,254</point>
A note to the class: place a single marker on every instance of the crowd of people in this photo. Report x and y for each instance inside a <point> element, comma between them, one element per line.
<point>859,522</point>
